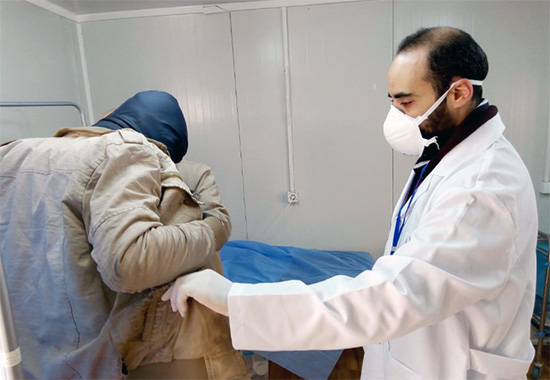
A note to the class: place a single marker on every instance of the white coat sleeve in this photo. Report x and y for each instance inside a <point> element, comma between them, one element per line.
<point>457,256</point>
<point>132,248</point>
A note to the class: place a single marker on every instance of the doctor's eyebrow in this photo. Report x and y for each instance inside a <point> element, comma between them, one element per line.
<point>400,95</point>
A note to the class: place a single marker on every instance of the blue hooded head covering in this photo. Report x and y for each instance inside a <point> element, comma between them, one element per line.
<point>155,114</point>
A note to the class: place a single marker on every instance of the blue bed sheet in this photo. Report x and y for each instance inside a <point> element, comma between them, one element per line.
<point>253,262</point>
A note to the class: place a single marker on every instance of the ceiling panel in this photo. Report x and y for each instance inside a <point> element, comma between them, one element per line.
<point>84,7</point>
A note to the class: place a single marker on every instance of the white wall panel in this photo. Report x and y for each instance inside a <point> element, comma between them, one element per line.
<point>340,55</point>
<point>39,61</point>
<point>515,36</point>
<point>338,61</point>
<point>259,72</point>
<point>191,57</point>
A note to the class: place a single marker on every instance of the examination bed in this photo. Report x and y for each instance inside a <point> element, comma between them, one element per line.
<point>254,262</point>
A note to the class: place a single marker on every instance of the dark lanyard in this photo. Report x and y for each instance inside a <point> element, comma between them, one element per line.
<point>400,224</point>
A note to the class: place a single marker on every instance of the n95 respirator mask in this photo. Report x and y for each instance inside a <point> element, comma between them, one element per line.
<point>402,132</point>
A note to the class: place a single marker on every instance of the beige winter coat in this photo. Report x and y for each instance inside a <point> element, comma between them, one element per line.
<point>94,225</point>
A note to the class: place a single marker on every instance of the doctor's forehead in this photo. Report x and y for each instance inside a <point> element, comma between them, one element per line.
<point>407,74</point>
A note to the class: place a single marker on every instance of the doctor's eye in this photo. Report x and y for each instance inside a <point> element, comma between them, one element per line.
<point>405,103</point>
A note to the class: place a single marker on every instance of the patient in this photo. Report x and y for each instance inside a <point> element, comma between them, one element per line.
<point>95,223</point>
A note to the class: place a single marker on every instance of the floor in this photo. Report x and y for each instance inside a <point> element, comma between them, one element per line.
<point>545,356</point>
<point>348,367</point>
<point>545,370</point>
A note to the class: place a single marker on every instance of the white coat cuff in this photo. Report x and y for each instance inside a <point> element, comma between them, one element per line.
<point>237,317</point>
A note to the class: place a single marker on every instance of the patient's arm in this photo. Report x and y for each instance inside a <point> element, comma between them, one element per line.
<point>202,183</point>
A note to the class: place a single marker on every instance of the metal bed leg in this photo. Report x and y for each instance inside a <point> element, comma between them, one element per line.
<point>10,354</point>
<point>538,363</point>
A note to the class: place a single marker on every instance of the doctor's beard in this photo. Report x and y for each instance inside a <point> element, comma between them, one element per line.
<point>439,121</point>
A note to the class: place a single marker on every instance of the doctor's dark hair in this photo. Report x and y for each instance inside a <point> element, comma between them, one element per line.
<point>451,52</point>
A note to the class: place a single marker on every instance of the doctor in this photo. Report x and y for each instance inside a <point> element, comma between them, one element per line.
<point>453,294</point>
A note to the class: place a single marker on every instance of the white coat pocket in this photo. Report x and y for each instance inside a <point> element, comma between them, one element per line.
<point>495,366</point>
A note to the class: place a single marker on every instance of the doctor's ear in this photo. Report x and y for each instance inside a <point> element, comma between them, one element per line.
<point>461,94</point>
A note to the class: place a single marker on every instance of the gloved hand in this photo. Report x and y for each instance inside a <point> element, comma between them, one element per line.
<point>219,231</point>
<point>207,287</point>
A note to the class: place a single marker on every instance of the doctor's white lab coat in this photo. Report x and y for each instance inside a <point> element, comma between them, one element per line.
<point>453,302</point>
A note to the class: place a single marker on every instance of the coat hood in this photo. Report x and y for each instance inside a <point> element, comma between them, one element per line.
<point>155,114</point>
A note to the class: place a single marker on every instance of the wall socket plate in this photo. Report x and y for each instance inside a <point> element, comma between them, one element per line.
<point>292,197</point>
<point>545,187</point>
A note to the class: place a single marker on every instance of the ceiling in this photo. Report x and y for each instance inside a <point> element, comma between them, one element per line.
<point>85,7</point>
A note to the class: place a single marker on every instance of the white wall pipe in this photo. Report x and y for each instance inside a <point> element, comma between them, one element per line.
<point>85,76</point>
<point>288,101</point>
<point>547,165</point>
<point>545,186</point>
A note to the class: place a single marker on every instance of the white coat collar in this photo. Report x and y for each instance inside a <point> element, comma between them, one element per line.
<point>479,140</point>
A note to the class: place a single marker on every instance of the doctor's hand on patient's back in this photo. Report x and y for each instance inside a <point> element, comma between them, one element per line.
<point>207,287</point>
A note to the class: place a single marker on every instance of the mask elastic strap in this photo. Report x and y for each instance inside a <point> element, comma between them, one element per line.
<point>426,114</point>
<point>431,141</point>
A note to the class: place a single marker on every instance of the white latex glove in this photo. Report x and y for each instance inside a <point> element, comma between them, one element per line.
<point>207,287</point>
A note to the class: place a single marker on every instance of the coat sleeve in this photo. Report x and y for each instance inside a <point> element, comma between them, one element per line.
<point>452,260</point>
<point>201,180</point>
<point>132,248</point>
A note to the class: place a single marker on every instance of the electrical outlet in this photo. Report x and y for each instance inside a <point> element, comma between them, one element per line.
<point>292,197</point>
<point>545,187</point>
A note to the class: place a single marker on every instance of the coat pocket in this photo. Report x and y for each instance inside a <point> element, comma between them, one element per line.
<point>496,366</point>
<point>228,365</point>
<point>160,320</point>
